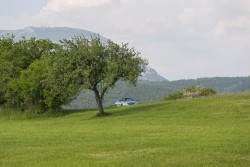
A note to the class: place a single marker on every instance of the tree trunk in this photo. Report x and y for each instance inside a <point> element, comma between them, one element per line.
<point>99,103</point>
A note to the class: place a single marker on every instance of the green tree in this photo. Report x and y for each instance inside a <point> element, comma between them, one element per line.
<point>40,90</point>
<point>26,91</point>
<point>43,75</point>
<point>16,57</point>
<point>6,67</point>
<point>97,66</point>
<point>62,81</point>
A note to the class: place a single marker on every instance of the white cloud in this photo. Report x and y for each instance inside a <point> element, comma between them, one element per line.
<point>69,12</point>
<point>181,39</point>
<point>241,22</point>
<point>224,26</point>
<point>187,15</point>
<point>65,5</point>
<point>127,2</point>
<point>245,4</point>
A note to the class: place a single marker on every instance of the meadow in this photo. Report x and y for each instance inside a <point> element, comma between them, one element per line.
<point>203,132</point>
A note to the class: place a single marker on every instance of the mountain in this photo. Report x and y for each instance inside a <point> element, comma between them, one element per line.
<point>53,33</point>
<point>152,75</point>
<point>57,33</point>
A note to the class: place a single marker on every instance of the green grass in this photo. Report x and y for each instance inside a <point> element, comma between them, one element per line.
<point>212,131</point>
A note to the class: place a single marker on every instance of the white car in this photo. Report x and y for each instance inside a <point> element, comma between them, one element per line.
<point>125,102</point>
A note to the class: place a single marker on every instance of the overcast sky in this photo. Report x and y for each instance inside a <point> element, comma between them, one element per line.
<point>182,39</point>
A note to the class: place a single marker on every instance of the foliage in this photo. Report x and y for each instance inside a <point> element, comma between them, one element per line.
<point>16,57</point>
<point>146,91</point>
<point>191,92</point>
<point>26,90</point>
<point>6,65</point>
<point>26,76</point>
<point>175,96</point>
<point>44,76</point>
<point>97,66</point>
<point>41,76</point>
<point>61,83</point>
<point>43,87</point>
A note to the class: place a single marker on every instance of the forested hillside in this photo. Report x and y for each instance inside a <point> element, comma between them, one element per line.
<point>147,91</point>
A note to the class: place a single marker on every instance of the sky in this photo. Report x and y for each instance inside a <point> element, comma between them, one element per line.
<point>181,39</point>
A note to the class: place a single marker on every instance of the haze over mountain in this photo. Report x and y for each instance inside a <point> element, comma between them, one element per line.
<point>57,33</point>
<point>53,33</point>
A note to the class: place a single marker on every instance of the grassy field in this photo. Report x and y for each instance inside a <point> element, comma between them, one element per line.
<point>213,131</point>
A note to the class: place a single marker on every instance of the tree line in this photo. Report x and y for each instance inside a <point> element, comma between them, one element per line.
<point>147,91</point>
<point>42,76</point>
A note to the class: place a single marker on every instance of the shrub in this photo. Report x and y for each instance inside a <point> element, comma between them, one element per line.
<point>175,96</point>
<point>191,92</point>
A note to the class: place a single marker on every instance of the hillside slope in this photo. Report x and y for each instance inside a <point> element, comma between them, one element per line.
<point>209,132</point>
<point>147,91</point>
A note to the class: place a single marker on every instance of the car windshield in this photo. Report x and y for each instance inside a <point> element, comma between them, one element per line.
<point>126,99</point>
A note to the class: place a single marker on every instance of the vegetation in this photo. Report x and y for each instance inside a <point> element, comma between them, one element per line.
<point>97,66</point>
<point>210,131</point>
<point>41,76</point>
<point>146,91</point>
<point>192,92</point>
<point>16,57</point>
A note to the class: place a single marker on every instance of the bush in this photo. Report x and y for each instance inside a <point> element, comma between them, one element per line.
<point>192,92</point>
<point>175,96</point>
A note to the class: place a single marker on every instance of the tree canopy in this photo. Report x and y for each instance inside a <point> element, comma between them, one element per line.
<point>16,57</point>
<point>97,66</point>
<point>43,75</point>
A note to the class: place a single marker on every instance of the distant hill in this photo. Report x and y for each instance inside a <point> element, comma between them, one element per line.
<point>53,33</point>
<point>58,33</point>
<point>148,91</point>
